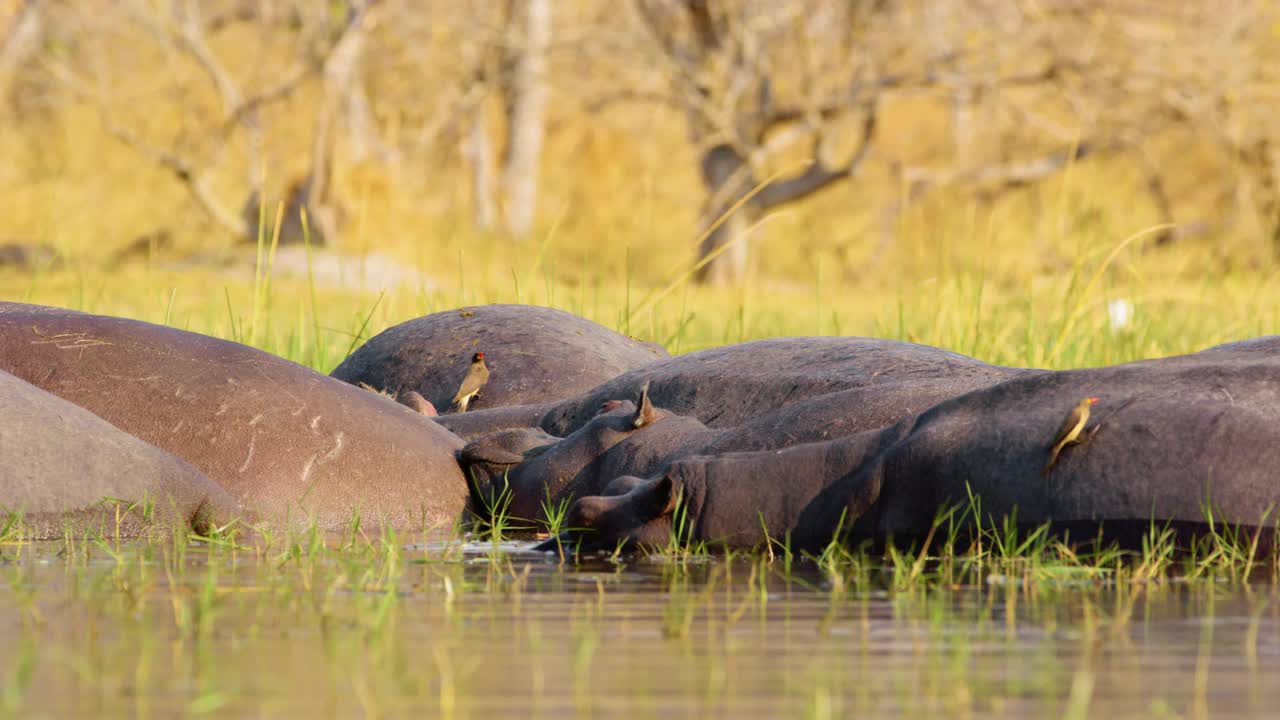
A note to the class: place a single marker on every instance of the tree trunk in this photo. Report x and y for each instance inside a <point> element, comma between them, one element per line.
<point>363,138</point>
<point>480,151</point>
<point>18,42</point>
<point>339,74</point>
<point>729,263</point>
<point>963,126</point>
<point>722,256</point>
<point>525,98</point>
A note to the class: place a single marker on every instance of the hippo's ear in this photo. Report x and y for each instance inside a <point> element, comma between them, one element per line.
<point>506,447</point>
<point>484,450</point>
<point>865,494</point>
<point>660,497</point>
<point>645,414</point>
<point>621,485</point>
<point>416,402</point>
<point>586,511</point>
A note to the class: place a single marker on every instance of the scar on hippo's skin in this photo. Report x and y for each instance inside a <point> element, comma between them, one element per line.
<point>78,341</point>
<point>306,469</point>
<point>249,458</point>
<point>339,441</point>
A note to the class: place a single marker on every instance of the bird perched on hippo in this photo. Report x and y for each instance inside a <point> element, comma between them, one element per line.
<point>472,383</point>
<point>1183,441</point>
<point>289,443</point>
<point>536,355</point>
<point>1070,432</point>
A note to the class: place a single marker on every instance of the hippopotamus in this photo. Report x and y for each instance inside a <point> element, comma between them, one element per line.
<point>541,470</point>
<point>730,385</point>
<point>289,443</point>
<point>66,468</point>
<point>1180,441</point>
<point>1261,346</point>
<point>535,355</point>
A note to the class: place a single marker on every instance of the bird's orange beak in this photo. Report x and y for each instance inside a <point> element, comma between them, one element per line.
<point>1093,400</point>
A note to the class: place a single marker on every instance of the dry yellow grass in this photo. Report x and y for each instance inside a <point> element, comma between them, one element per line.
<point>620,194</point>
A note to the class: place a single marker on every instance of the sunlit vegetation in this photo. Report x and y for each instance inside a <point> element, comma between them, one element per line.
<point>1073,270</point>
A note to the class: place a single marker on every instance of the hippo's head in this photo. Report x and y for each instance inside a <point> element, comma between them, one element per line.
<point>487,463</point>
<point>629,512</point>
<point>525,470</point>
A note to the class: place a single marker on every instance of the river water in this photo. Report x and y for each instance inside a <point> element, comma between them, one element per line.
<point>159,630</point>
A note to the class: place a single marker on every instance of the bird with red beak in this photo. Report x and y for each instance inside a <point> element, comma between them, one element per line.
<point>477,375</point>
<point>1069,433</point>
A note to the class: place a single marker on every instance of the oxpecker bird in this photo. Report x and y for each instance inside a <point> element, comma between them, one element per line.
<point>1069,433</point>
<point>477,376</point>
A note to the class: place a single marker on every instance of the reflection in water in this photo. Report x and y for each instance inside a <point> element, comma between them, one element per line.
<point>465,632</point>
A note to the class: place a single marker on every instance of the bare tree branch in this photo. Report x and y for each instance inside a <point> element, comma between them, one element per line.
<point>190,37</point>
<point>187,34</point>
<point>1001,178</point>
<point>181,169</point>
<point>292,80</point>
<point>818,175</point>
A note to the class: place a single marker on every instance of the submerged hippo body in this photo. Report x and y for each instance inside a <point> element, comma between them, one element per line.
<point>65,468</point>
<point>537,466</point>
<point>735,384</point>
<point>535,355</point>
<point>285,441</point>
<point>1166,440</point>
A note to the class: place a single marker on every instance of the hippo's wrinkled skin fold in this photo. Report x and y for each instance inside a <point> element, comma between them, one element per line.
<point>1168,441</point>
<point>878,383</point>
<point>65,468</point>
<point>535,355</point>
<point>287,442</point>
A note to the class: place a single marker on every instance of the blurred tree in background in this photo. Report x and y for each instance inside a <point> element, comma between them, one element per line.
<point>647,122</point>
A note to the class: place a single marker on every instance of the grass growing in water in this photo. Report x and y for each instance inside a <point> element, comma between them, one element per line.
<point>253,622</point>
<point>248,620</point>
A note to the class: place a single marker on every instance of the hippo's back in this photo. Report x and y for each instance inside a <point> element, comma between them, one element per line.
<point>727,386</point>
<point>1267,346</point>
<point>64,467</point>
<point>534,354</point>
<point>285,440</point>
